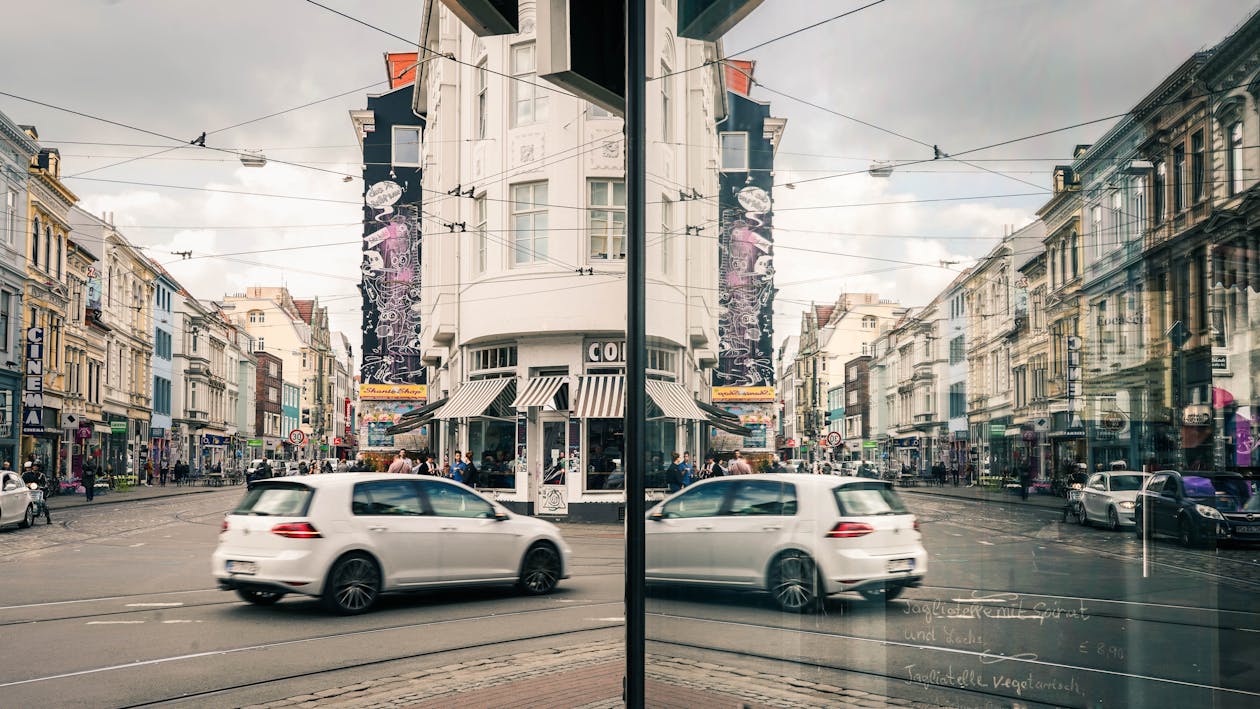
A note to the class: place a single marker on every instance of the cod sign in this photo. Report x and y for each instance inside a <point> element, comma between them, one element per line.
<point>33,389</point>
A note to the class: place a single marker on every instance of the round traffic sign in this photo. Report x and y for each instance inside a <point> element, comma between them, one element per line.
<point>296,437</point>
<point>833,439</point>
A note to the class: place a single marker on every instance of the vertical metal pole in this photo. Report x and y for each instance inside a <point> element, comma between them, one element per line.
<point>636,346</point>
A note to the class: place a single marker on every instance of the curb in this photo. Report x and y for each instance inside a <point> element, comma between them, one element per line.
<point>955,496</point>
<point>107,500</point>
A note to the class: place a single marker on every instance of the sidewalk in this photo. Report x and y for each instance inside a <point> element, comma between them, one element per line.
<point>588,676</point>
<point>980,494</point>
<point>139,492</point>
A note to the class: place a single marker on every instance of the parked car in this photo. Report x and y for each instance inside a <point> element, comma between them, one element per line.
<point>796,465</point>
<point>15,502</point>
<point>1198,507</point>
<point>798,537</point>
<point>345,538</point>
<point>1108,497</point>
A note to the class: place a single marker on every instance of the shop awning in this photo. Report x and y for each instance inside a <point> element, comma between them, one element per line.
<point>539,391</point>
<point>673,400</point>
<point>730,427</point>
<point>600,396</point>
<point>416,418</point>
<point>715,412</point>
<point>474,398</point>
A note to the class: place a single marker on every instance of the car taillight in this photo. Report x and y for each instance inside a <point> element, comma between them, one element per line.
<point>849,530</point>
<point>223,527</point>
<point>916,524</point>
<point>296,530</point>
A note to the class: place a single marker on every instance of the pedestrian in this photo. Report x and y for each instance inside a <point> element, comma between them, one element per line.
<point>713,470</point>
<point>302,469</point>
<point>739,466</point>
<point>674,474</point>
<point>953,473</point>
<point>164,471</point>
<point>971,475</point>
<point>458,468</point>
<point>471,474</point>
<point>1025,481</point>
<point>148,473</point>
<point>688,469</point>
<point>424,467</point>
<point>446,465</point>
<point>89,479</point>
<point>400,464</point>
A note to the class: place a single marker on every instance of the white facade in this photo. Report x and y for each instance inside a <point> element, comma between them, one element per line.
<point>544,174</point>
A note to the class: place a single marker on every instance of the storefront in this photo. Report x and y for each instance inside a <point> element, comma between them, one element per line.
<point>10,440</point>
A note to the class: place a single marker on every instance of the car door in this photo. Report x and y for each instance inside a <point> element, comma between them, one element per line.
<point>761,514</point>
<point>1095,496</point>
<point>1168,505</point>
<point>473,544</point>
<point>678,540</point>
<point>405,538</point>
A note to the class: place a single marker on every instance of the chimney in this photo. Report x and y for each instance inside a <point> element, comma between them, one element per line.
<point>739,75</point>
<point>401,67</point>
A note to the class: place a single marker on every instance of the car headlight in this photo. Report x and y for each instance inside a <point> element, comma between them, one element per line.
<point>1209,512</point>
<point>1126,505</point>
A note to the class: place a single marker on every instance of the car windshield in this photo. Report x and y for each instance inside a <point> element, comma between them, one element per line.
<point>868,500</point>
<point>276,500</point>
<point>1125,483</point>
<point>1227,494</point>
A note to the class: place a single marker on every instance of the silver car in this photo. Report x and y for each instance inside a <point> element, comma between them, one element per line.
<point>798,537</point>
<point>1108,497</point>
<point>15,501</point>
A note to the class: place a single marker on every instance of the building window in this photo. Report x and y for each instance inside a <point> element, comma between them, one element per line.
<point>1073,246</point>
<point>5,299</point>
<point>1139,205</point>
<point>262,344</point>
<point>1157,192</point>
<point>593,111</point>
<point>487,358</point>
<point>10,215</point>
<point>667,235</point>
<point>606,219</point>
<point>667,107</point>
<point>1235,157</point>
<point>479,126</point>
<point>406,146</point>
<point>48,239</point>
<point>257,316</point>
<point>869,322</point>
<point>1197,167</point>
<point>1095,229</point>
<point>957,349</point>
<point>35,242</point>
<point>1118,226</point>
<point>529,103</point>
<point>529,222</point>
<point>734,152</point>
<point>1179,178</point>
<point>479,213</point>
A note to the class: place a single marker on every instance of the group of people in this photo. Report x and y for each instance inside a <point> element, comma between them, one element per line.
<point>683,472</point>
<point>463,470</point>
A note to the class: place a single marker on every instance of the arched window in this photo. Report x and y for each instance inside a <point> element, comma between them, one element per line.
<point>48,239</point>
<point>35,243</point>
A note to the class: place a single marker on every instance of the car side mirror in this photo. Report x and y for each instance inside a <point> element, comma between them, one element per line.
<point>657,516</point>
<point>501,516</point>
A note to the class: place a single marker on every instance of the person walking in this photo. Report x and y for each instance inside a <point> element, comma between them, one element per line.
<point>471,474</point>
<point>148,473</point>
<point>688,469</point>
<point>400,464</point>
<point>89,479</point>
<point>674,474</point>
<point>739,466</point>
<point>712,469</point>
<point>458,468</point>
<point>425,466</point>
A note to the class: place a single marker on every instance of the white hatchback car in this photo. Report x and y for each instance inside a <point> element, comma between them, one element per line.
<point>799,537</point>
<point>15,501</point>
<point>1108,497</point>
<point>347,537</point>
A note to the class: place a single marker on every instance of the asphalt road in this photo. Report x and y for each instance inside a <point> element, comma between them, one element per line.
<point>114,606</point>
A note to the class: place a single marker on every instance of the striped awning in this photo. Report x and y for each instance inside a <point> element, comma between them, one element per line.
<point>415,418</point>
<point>673,400</point>
<point>474,398</point>
<point>539,391</point>
<point>601,396</point>
<point>726,425</point>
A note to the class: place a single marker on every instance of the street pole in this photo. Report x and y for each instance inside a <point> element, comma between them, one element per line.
<point>636,347</point>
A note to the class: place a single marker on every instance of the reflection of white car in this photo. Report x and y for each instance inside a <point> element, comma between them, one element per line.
<point>798,537</point>
<point>1109,497</point>
<point>348,537</point>
<point>15,502</point>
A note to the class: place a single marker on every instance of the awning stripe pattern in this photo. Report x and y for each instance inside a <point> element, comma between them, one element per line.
<point>673,400</point>
<point>729,427</point>
<point>539,391</point>
<point>473,398</point>
<point>415,418</point>
<point>601,396</point>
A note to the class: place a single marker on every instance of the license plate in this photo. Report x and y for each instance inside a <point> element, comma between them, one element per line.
<point>900,565</point>
<point>37,495</point>
<point>1247,530</point>
<point>242,567</point>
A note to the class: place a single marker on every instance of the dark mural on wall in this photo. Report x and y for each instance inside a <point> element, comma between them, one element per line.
<point>391,289</point>
<point>746,291</point>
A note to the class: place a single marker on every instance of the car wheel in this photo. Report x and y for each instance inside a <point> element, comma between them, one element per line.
<point>794,582</point>
<point>1082,516</point>
<point>28,518</point>
<point>540,570</point>
<point>1186,535</point>
<point>353,585</point>
<point>882,593</point>
<point>1139,528</point>
<point>258,597</point>
<point>1113,519</point>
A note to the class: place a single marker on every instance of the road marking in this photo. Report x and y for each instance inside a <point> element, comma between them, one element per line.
<point>133,546</point>
<point>115,622</point>
<point>154,605</point>
<point>168,622</point>
<point>616,619</point>
<point>987,544</point>
<point>102,598</point>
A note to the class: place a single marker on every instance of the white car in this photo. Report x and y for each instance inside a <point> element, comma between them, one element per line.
<point>348,537</point>
<point>1109,497</point>
<point>799,537</point>
<point>15,501</point>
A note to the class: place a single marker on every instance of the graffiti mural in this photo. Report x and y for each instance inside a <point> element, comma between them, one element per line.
<point>746,289</point>
<point>390,285</point>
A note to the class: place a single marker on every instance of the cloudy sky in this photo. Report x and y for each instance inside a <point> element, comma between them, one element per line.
<point>958,74</point>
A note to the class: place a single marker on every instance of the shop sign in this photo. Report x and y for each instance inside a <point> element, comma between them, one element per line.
<point>155,432</point>
<point>609,351</point>
<point>85,432</point>
<point>118,427</point>
<point>735,394</point>
<point>912,442</point>
<point>323,446</point>
<point>1113,421</point>
<point>254,443</point>
<point>33,388</point>
<point>337,441</point>
<point>870,444</point>
<point>393,392</point>
<point>1220,362</point>
<point>208,439</point>
<point>347,417</point>
<point>1196,415</point>
<point>790,443</point>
